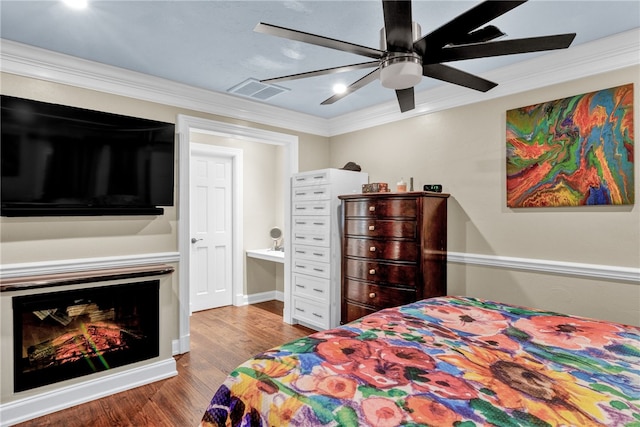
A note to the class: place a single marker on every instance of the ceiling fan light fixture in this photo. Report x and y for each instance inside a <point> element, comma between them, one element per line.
<point>339,88</point>
<point>401,71</point>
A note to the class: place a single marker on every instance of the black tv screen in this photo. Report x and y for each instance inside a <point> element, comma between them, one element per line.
<point>61,160</point>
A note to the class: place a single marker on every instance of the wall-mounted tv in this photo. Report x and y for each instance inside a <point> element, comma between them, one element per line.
<point>59,160</point>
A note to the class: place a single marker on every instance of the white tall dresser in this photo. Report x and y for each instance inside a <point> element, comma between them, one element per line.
<point>316,243</point>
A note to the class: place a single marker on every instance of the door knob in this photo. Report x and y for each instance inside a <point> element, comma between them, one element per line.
<point>193,240</point>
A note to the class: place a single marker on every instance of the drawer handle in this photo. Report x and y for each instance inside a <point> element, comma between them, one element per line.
<point>318,192</point>
<point>318,290</point>
<point>372,249</point>
<point>301,286</point>
<point>372,271</point>
<point>372,208</point>
<point>300,237</point>
<point>318,208</point>
<point>318,254</point>
<point>372,227</point>
<point>301,266</point>
<point>317,315</point>
<point>301,179</point>
<point>318,223</point>
<point>372,295</point>
<point>318,239</point>
<point>300,252</point>
<point>320,270</point>
<point>301,222</point>
<point>301,193</point>
<point>318,177</point>
<point>301,208</point>
<point>299,309</point>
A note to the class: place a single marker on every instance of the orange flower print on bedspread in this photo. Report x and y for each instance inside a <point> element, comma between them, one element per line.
<point>520,383</point>
<point>431,413</point>
<point>381,412</point>
<point>472,320</point>
<point>570,333</point>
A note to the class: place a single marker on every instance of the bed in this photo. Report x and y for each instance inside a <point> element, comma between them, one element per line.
<point>447,361</point>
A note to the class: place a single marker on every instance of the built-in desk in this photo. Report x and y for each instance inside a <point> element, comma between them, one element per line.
<point>267,254</point>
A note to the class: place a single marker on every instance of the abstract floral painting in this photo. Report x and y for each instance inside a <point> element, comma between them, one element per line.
<point>573,151</point>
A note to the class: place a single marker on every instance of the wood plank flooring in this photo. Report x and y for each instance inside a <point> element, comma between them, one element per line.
<point>221,339</point>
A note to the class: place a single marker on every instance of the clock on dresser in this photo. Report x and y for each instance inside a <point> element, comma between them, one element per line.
<point>394,250</point>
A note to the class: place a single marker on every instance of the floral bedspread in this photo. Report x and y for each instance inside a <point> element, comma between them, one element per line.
<point>450,361</point>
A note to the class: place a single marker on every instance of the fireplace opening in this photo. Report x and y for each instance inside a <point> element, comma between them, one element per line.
<point>69,334</point>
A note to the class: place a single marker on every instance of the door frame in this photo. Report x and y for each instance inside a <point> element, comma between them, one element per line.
<point>184,126</point>
<point>237,211</point>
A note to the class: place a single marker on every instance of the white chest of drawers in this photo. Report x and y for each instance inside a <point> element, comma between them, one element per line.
<point>315,240</point>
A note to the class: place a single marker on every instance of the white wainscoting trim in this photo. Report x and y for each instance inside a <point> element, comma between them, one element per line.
<point>594,271</point>
<point>84,264</point>
<point>45,403</point>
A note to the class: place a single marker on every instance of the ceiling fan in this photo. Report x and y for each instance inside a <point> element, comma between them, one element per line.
<point>405,56</point>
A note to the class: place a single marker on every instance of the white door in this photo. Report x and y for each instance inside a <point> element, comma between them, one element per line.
<point>211,231</point>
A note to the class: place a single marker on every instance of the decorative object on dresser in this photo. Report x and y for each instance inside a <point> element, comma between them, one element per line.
<point>316,243</point>
<point>394,249</point>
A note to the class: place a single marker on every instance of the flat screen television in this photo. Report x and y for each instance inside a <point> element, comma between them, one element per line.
<point>59,160</point>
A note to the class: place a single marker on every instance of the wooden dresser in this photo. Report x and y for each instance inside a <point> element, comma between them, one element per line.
<point>394,248</point>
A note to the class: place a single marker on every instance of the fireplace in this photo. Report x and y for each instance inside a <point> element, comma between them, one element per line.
<point>69,334</point>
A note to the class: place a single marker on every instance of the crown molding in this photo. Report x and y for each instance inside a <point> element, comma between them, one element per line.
<point>29,61</point>
<point>607,54</point>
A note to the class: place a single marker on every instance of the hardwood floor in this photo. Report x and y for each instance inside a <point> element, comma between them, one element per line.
<point>221,339</point>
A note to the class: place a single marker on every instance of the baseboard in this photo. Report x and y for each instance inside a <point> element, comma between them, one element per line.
<point>593,271</point>
<point>45,403</point>
<point>264,296</point>
<point>84,264</point>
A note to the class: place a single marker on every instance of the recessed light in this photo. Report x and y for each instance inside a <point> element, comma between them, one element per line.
<point>339,88</point>
<point>76,4</point>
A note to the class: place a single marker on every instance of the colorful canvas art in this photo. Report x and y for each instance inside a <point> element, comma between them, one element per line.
<point>573,151</point>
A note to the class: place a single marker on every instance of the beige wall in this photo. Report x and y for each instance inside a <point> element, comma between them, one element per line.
<point>464,150</point>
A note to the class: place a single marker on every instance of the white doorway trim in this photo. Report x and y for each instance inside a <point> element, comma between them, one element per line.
<point>184,126</point>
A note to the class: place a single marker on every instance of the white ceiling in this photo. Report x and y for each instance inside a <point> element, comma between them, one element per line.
<point>212,45</point>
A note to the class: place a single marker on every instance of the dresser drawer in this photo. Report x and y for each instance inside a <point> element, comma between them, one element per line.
<point>312,223</point>
<point>317,192</point>
<point>321,177</point>
<point>381,272</point>
<point>312,287</point>
<point>313,239</point>
<point>393,250</point>
<point>377,296</point>
<point>318,269</point>
<point>310,312</point>
<point>313,253</point>
<point>311,208</point>
<point>380,228</point>
<point>407,208</point>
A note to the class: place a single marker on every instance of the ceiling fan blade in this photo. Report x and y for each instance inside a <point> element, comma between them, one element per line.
<point>322,72</point>
<point>372,76</point>
<point>457,77</point>
<point>398,25</point>
<point>485,34</point>
<point>406,99</point>
<point>503,47</point>
<point>301,36</point>
<point>463,24</point>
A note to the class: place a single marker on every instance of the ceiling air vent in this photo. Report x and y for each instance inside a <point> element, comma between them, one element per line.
<point>252,88</point>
